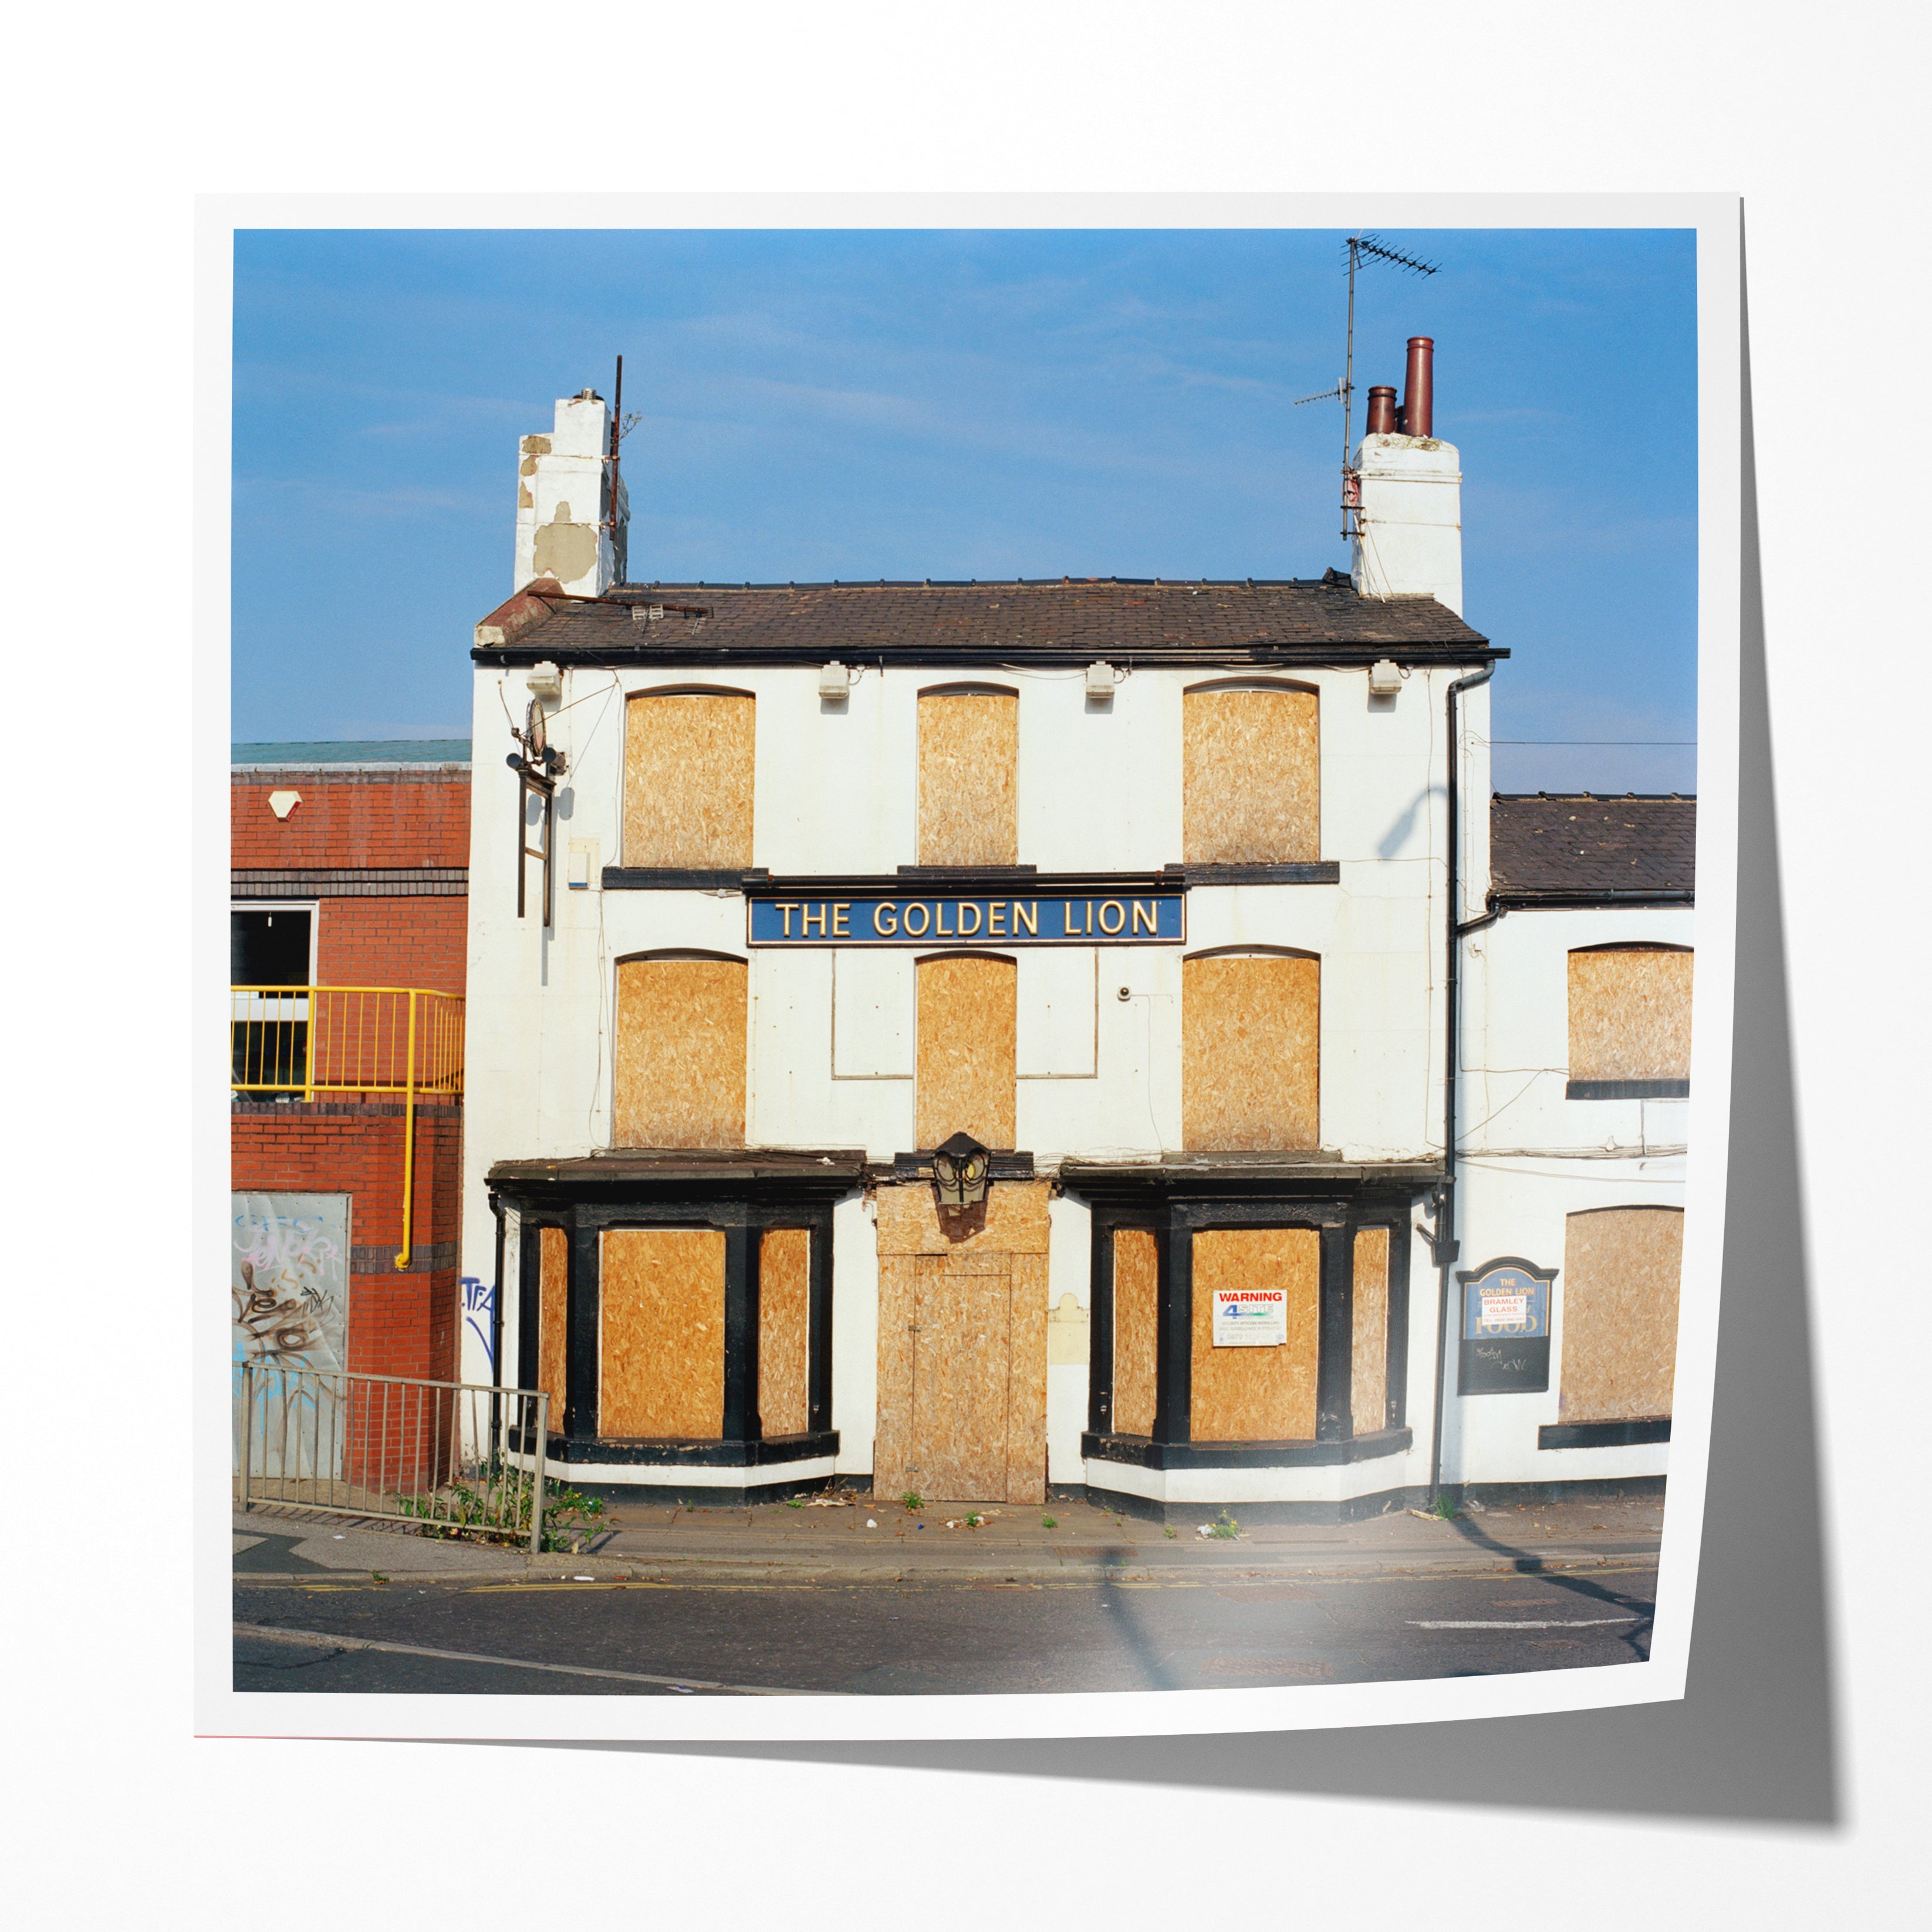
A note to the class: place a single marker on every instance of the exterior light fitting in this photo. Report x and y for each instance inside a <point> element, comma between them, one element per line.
<point>961,1170</point>
<point>834,681</point>
<point>545,680</point>
<point>1384,678</point>
<point>1099,680</point>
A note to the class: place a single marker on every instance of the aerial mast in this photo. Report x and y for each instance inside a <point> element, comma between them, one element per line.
<point>1361,247</point>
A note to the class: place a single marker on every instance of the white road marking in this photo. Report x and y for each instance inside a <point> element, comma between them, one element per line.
<point>687,1684</point>
<point>1584,1623</point>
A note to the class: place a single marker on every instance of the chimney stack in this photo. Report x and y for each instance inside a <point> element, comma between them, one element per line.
<point>565,527</point>
<point>1409,529</point>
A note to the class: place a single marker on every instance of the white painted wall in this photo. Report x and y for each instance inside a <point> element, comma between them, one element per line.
<point>1520,1206</point>
<point>831,1045</point>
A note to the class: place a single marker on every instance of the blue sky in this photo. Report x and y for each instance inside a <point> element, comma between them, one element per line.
<point>904,403</point>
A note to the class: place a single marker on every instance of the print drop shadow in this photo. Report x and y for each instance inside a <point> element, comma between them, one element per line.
<point>1755,1736</point>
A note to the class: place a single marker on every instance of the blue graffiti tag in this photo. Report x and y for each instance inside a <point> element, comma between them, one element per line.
<point>479,1297</point>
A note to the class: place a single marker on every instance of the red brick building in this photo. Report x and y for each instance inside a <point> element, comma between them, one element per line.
<point>347,938</point>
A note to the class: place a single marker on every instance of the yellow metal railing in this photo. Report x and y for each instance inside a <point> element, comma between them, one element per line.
<point>349,1039</point>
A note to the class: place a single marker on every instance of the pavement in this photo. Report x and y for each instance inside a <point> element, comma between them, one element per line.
<point>862,1539</point>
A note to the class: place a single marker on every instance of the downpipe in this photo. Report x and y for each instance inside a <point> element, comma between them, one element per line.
<point>1444,1246</point>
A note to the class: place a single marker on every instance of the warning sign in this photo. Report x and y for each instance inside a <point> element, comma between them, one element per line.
<point>1250,1318</point>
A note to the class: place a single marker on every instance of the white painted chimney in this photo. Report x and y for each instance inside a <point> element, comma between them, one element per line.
<point>563,503</point>
<point>1409,527</point>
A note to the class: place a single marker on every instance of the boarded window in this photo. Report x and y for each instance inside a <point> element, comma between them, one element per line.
<point>1250,1053</point>
<point>1621,1267</point>
<point>784,1300</point>
<point>552,1316</point>
<point>680,1080</point>
<point>688,760</point>
<point>1257,1394</point>
<point>1250,777</point>
<point>1136,1314</point>
<point>1368,1388</point>
<point>662,1307</point>
<point>967,1012</point>
<point>1630,1019</point>
<point>968,777</point>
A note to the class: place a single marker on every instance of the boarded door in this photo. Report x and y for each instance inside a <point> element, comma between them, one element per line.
<point>962,1361</point>
<point>962,1349</point>
<point>288,1292</point>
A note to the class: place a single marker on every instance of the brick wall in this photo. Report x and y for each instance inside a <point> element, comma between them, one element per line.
<point>392,942</point>
<point>352,819</point>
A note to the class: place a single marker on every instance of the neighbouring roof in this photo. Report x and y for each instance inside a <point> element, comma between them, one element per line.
<point>1089,616</point>
<point>310,755</point>
<point>1586,844</point>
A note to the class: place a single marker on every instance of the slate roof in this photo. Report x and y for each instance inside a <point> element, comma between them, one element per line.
<point>1584,844</point>
<point>1090,616</point>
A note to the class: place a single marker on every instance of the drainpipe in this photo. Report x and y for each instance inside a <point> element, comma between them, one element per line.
<point>497,1377</point>
<point>1444,1246</point>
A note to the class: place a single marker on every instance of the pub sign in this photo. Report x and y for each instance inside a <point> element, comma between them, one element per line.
<point>1505,1342</point>
<point>1002,918</point>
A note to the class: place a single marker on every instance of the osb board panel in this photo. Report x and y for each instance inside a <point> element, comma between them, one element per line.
<point>1265,1394</point>
<point>1026,1383</point>
<point>968,779</point>
<point>680,1079</point>
<point>1250,1053</point>
<point>1016,1221</point>
<point>688,763</point>
<point>1630,1016</point>
<point>1368,1381</point>
<point>662,1367</point>
<point>785,1258</point>
<point>1621,1270</point>
<point>552,1316</point>
<point>962,1361</point>
<point>1136,1315</point>
<point>892,1437</point>
<point>1250,776</point>
<point>966,1026</point>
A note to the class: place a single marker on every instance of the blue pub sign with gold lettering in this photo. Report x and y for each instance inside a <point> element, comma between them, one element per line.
<point>1004,918</point>
<point>1505,1341</point>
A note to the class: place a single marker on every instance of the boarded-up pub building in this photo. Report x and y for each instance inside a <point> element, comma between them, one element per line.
<point>990,1039</point>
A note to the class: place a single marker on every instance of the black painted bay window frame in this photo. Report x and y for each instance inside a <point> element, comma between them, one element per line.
<point>1175,1219</point>
<point>585,1217</point>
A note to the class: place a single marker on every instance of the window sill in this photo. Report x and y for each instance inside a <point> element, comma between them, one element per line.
<point>1604,1434</point>
<point>1627,1090</point>
<point>1140,1452</point>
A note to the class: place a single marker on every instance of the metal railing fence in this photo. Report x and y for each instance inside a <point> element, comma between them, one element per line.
<point>350,1039</point>
<point>464,1455</point>
<point>345,1039</point>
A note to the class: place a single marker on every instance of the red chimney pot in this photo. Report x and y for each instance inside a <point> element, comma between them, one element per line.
<point>1418,402</point>
<point>1382,409</point>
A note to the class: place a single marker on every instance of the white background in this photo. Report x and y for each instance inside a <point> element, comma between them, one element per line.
<point>119,1813</point>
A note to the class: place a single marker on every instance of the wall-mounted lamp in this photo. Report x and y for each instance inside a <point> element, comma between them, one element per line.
<point>1099,680</point>
<point>1384,678</point>
<point>961,1169</point>
<point>834,681</point>
<point>544,681</point>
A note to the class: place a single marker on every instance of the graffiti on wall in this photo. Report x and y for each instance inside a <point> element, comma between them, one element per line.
<point>289,1292</point>
<point>479,1309</point>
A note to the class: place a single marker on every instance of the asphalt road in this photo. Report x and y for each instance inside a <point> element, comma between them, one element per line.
<point>872,1638</point>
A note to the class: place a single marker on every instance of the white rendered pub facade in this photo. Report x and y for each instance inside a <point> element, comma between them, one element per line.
<point>989,1039</point>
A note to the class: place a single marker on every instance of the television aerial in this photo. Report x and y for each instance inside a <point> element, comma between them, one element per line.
<point>1362,248</point>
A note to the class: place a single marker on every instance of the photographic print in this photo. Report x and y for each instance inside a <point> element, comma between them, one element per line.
<point>979,970</point>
